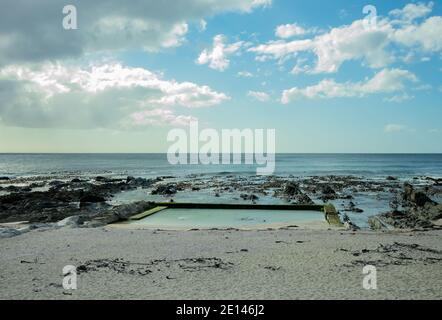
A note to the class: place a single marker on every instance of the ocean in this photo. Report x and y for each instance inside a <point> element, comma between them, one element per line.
<point>152,165</point>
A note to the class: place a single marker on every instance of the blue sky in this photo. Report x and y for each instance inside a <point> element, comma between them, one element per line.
<point>325,81</point>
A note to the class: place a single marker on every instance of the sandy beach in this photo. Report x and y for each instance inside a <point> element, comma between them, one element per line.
<point>115,263</point>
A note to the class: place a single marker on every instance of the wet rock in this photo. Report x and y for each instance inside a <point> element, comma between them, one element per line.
<point>4,179</point>
<point>8,232</point>
<point>129,179</point>
<point>250,197</point>
<point>138,182</point>
<point>418,198</point>
<point>348,224</point>
<point>55,183</point>
<point>91,198</point>
<point>62,199</point>
<point>73,222</point>
<point>352,207</point>
<point>391,178</point>
<point>303,199</point>
<point>291,189</point>
<point>328,193</point>
<point>165,190</point>
<point>377,224</point>
<point>327,190</point>
<point>12,189</point>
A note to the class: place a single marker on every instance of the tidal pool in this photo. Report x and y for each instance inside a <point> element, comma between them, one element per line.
<point>177,218</point>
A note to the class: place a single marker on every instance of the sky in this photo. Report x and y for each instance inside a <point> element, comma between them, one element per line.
<point>328,76</point>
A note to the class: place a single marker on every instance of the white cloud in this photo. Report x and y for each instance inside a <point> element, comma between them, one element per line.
<point>245,74</point>
<point>217,56</point>
<point>374,47</point>
<point>393,127</point>
<point>30,32</point>
<point>98,96</point>
<point>289,30</point>
<point>279,49</point>
<point>425,37</point>
<point>258,95</point>
<point>385,81</point>
<point>158,117</point>
<point>336,46</point>
<point>412,12</point>
<point>399,98</point>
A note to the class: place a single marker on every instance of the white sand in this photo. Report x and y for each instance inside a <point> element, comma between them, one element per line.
<point>276,265</point>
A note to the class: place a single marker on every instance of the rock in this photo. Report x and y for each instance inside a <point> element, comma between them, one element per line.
<point>348,224</point>
<point>169,189</point>
<point>4,179</point>
<point>390,178</point>
<point>76,180</point>
<point>417,198</point>
<point>8,232</point>
<point>91,198</point>
<point>138,182</point>
<point>303,199</point>
<point>352,207</point>
<point>421,199</point>
<point>125,211</point>
<point>73,222</point>
<point>327,190</point>
<point>55,183</point>
<point>250,197</point>
<point>61,200</point>
<point>129,179</point>
<point>12,189</point>
<point>291,189</point>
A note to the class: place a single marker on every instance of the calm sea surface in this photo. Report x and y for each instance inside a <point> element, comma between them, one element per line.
<point>149,165</point>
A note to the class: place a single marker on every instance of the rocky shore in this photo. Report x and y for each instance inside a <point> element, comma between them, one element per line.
<point>88,202</point>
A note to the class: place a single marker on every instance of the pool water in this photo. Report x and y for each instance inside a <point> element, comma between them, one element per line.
<point>227,218</point>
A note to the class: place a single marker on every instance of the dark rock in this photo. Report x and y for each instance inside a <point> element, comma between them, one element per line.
<point>166,190</point>
<point>251,197</point>
<point>92,198</point>
<point>327,190</point>
<point>4,179</point>
<point>390,178</point>
<point>129,179</point>
<point>12,189</point>
<point>352,207</point>
<point>291,189</point>
<point>303,199</point>
<point>418,198</point>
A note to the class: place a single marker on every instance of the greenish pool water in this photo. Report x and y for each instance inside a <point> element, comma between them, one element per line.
<point>226,218</point>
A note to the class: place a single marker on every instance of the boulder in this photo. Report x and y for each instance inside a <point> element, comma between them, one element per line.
<point>166,190</point>
<point>91,198</point>
<point>73,222</point>
<point>291,188</point>
<point>8,232</point>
